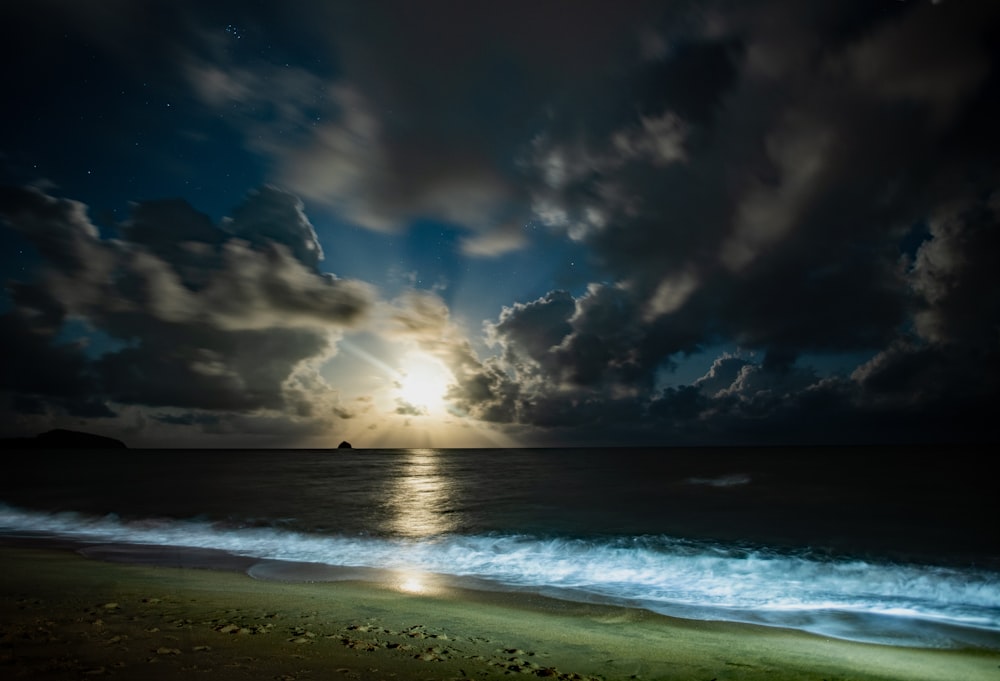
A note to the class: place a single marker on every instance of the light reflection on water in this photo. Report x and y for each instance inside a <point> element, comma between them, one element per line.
<point>420,497</point>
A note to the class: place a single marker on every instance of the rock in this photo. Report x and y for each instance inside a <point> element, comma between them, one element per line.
<point>344,445</point>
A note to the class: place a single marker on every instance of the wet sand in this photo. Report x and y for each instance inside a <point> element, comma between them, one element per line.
<point>64,616</point>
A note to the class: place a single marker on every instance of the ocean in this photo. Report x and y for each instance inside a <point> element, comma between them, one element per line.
<point>888,545</point>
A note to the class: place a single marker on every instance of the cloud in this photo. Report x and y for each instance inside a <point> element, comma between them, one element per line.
<point>944,369</point>
<point>272,216</point>
<point>528,332</point>
<point>954,275</point>
<point>195,367</point>
<point>407,409</point>
<point>403,127</point>
<point>721,375</point>
<point>261,427</point>
<point>780,219</point>
<point>331,143</point>
<point>499,241</point>
<point>800,181</point>
<point>658,140</point>
<point>731,175</point>
<point>234,317</point>
<point>42,370</point>
<point>570,361</point>
<point>481,389</point>
<point>935,56</point>
<point>768,211</point>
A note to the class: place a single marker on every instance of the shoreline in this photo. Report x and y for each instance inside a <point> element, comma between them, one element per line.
<point>858,627</point>
<point>65,615</point>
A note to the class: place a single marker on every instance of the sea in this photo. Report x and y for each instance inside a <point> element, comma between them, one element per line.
<point>890,545</point>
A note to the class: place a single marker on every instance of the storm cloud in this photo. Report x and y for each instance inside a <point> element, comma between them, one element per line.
<point>766,221</point>
<point>215,317</point>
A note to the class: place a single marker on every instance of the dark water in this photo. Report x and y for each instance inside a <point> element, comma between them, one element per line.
<point>894,545</point>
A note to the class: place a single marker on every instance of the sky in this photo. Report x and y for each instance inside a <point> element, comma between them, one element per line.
<point>465,224</point>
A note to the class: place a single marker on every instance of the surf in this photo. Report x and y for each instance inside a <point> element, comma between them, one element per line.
<point>841,596</point>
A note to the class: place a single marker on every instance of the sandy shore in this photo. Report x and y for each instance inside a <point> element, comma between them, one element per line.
<point>63,616</point>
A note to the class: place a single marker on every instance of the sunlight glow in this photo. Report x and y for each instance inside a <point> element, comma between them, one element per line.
<point>408,406</point>
<point>411,585</point>
<point>417,582</point>
<point>423,382</point>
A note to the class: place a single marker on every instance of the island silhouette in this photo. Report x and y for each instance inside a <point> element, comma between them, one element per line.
<point>61,438</point>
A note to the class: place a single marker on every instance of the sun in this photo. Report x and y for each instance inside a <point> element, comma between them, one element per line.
<point>423,382</point>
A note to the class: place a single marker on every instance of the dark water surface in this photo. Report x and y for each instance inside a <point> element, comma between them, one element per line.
<point>889,544</point>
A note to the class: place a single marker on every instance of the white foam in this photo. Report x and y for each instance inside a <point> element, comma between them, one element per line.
<point>660,573</point>
<point>732,480</point>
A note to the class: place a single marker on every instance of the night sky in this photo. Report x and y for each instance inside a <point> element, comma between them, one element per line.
<point>542,223</point>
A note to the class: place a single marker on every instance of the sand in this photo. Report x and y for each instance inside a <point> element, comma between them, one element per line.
<point>64,616</point>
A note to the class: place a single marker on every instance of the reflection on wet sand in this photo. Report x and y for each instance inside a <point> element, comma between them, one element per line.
<point>419,502</point>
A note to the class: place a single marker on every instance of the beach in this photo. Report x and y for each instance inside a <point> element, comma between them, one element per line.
<point>66,616</point>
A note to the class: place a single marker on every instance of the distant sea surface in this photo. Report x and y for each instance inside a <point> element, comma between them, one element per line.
<point>891,545</point>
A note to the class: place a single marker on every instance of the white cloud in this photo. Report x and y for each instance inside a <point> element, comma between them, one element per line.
<point>670,295</point>
<point>505,239</point>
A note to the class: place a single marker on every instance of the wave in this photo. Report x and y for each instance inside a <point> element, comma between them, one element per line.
<point>732,480</point>
<point>906,604</point>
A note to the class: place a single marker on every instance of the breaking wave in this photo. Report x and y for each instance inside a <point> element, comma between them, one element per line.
<point>849,598</point>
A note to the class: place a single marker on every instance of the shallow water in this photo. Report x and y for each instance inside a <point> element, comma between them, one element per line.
<point>875,544</point>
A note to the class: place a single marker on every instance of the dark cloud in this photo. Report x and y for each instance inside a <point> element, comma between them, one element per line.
<point>41,370</point>
<point>271,216</point>
<point>189,419</point>
<point>800,181</point>
<point>405,408</point>
<point>954,275</point>
<point>264,429</point>
<point>771,210</point>
<point>952,353</point>
<point>587,363</point>
<point>529,331</point>
<point>192,367</point>
<point>801,184</point>
<point>232,318</point>
<point>175,232</point>
<point>424,112</point>
<point>692,80</point>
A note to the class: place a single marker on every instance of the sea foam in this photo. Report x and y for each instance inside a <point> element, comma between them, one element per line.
<point>844,597</point>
